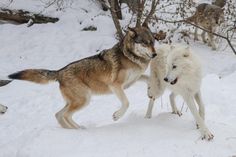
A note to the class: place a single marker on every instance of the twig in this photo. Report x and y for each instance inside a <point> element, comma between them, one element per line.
<point>152,11</point>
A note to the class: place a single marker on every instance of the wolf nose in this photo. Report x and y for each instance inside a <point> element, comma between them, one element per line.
<point>154,55</point>
<point>166,79</point>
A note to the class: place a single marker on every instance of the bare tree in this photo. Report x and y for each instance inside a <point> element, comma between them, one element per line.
<point>141,5</point>
<point>116,19</point>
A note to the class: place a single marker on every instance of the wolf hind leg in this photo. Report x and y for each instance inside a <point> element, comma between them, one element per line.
<point>201,105</point>
<point>61,120</point>
<point>73,107</point>
<point>76,97</point>
<point>206,134</point>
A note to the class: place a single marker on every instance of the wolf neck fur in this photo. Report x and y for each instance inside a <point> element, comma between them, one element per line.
<point>140,61</point>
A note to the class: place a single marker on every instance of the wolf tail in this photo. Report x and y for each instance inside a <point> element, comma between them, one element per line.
<point>41,76</point>
<point>4,82</point>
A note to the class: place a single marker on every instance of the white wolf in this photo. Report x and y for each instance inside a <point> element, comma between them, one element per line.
<point>177,68</point>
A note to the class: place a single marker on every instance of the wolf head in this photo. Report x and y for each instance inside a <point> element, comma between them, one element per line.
<point>216,13</point>
<point>177,62</point>
<point>140,41</point>
<point>219,17</point>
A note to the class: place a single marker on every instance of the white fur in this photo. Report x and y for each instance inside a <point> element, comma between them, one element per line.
<point>131,76</point>
<point>3,108</point>
<point>188,73</point>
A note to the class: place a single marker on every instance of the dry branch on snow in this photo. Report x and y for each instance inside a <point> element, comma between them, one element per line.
<point>22,16</point>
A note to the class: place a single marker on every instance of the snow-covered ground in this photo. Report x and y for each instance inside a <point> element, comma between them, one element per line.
<point>29,128</point>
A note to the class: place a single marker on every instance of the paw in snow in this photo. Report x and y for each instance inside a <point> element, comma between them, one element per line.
<point>207,135</point>
<point>82,127</point>
<point>148,116</point>
<point>197,125</point>
<point>117,115</point>
<point>177,112</point>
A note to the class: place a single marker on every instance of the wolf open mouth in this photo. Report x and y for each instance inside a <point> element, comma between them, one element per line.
<point>174,82</point>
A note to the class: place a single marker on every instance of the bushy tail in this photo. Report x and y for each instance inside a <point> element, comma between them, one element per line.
<point>4,82</point>
<point>40,76</point>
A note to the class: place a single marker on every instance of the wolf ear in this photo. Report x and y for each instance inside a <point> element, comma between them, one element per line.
<point>131,31</point>
<point>187,51</point>
<point>145,25</point>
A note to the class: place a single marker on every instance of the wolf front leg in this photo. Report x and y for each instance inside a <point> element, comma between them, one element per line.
<point>152,93</point>
<point>206,134</point>
<point>150,107</point>
<point>211,40</point>
<point>195,34</point>
<point>201,105</point>
<point>173,105</point>
<point>119,92</point>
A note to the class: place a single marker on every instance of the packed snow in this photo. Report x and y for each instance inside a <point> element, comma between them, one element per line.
<point>29,127</point>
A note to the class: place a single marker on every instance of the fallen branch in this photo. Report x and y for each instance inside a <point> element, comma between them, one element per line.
<point>4,82</point>
<point>21,16</point>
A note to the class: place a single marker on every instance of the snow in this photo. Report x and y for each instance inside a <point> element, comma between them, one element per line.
<point>29,128</point>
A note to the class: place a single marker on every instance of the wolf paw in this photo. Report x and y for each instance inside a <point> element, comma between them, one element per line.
<point>148,116</point>
<point>213,48</point>
<point>195,39</point>
<point>207,135</point>
<point>82,127</point>
<point>197,126</point>
<point>117,115</point>
<point>177,112</point>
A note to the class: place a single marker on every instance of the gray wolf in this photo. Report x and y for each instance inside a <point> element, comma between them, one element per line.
<point>110,71</point>
<point>178,69</point>
<point>3,108</point>
<point>209,17</point>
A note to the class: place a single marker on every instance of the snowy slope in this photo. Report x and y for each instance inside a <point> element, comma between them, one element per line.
<point>29,128</point>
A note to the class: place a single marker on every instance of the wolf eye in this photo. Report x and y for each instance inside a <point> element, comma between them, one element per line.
<point>138,40</point>
<point>174,67</point>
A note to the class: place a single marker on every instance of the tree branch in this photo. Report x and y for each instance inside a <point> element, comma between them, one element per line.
<point>140,12</point>
<point>218,35</point>
<point>21,16</point>
<point>116,20</point>
<point>152,11</point>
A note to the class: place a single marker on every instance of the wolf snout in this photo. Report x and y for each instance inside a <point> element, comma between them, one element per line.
<point>154,55</point>
<point>166,79</point>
